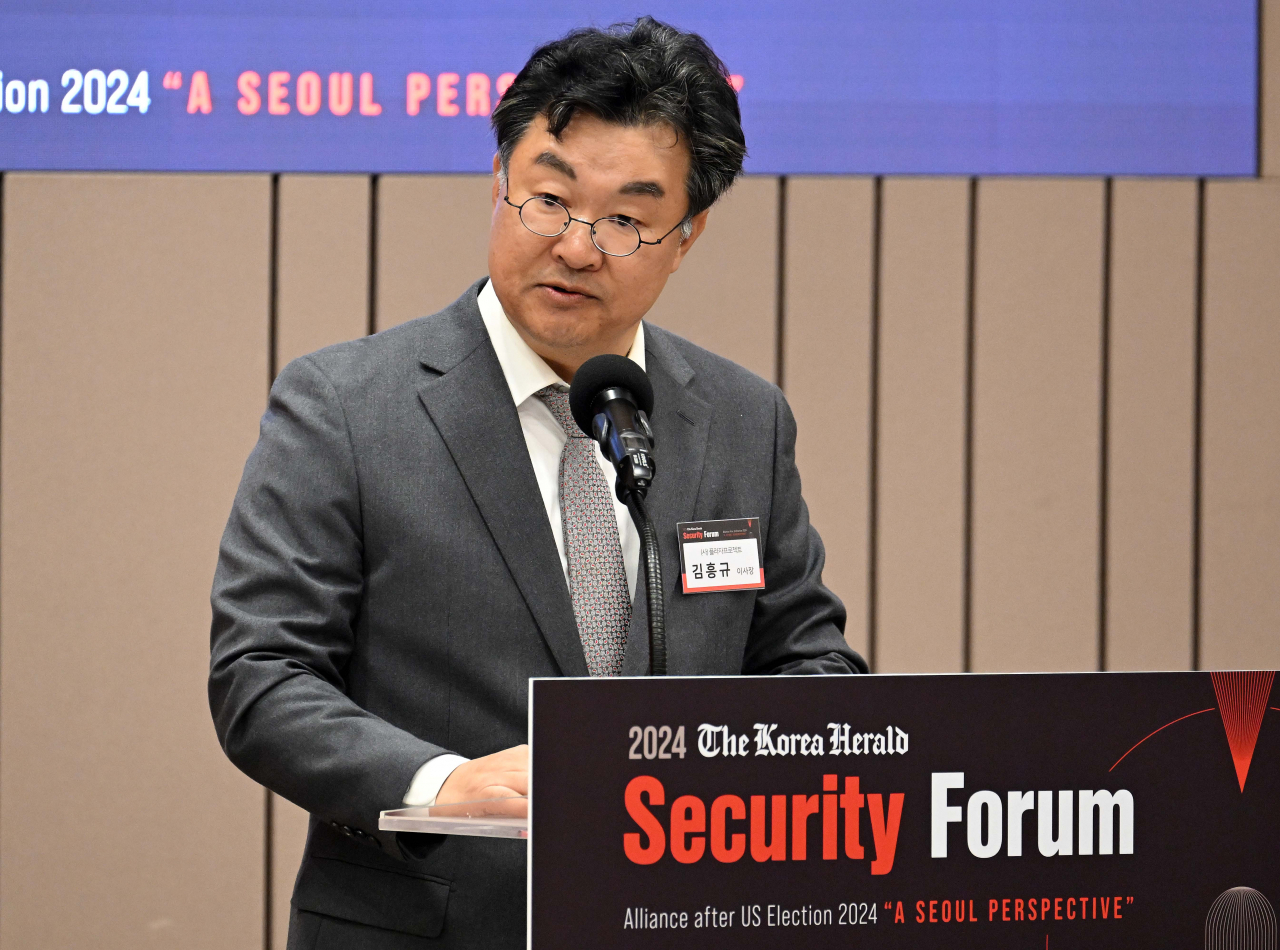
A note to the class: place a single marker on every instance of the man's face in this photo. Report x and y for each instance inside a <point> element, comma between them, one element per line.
<point>567,299</point>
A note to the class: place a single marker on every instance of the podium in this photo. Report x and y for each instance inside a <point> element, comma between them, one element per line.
<point>1101,810</point>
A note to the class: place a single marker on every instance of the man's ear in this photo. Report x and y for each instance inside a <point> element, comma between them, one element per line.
<point>698,222</point>
<point>497,167</point>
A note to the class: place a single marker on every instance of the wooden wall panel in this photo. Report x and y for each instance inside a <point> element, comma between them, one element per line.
<point>323,262</point>
<point>135,370</point>
<point>1151,425</point>
<point>323,298</point>
<point>827,371</point>
<point>1037,364</point>
<point>1271,88</point>
<point>288,839</point>
<point>433,242</point>
<point>924,264</point>
<point>1240,567</point>
<point>724,296</point>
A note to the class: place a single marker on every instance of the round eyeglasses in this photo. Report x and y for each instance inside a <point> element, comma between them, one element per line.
<point>614,236</point>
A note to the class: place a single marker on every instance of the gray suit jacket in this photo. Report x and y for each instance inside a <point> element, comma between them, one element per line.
<point>388,583</point>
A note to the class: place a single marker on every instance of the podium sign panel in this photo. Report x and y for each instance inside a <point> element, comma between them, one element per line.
<point>1107,810</point>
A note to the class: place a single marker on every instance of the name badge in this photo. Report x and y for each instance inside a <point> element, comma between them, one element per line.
<point>720,555</point>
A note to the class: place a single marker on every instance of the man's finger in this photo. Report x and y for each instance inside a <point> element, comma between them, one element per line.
<point>482,778</point>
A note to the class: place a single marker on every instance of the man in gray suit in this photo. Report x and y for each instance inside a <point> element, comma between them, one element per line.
<point>421,529</point>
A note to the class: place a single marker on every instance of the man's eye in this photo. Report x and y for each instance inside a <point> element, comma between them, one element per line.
<point>622,221</point>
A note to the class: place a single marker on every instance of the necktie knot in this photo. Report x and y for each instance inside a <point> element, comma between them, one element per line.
<point>557,400</point>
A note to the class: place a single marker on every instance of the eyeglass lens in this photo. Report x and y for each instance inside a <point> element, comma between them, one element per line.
<point>548,218</point>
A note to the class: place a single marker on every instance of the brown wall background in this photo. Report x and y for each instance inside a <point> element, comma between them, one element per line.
<point>1039,430</point>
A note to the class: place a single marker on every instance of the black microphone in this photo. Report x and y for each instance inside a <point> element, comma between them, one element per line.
<point>611,399</point>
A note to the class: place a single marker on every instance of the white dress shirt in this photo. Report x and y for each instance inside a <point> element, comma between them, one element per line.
<point>526,372</point>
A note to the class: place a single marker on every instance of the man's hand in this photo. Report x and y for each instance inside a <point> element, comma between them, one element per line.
<point>502,776</point>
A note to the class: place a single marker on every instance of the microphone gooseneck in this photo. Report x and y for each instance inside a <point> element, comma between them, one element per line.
<point>652,586</point>
<point>611,399</point>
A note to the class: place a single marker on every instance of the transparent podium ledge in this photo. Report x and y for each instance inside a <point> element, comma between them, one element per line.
<point>490,818</point>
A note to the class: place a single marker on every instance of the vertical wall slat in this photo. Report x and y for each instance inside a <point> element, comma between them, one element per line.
<point>827,369</point>
<point>923,328</point>
<point>1036,432</point>
<point>1240,501</point>
<point>288,839</point>
<point>323,297</point>
<point>724,295</point>
<point>323,264</point>
<point>135,356</point>
<point>432,242</point>
<point>1151,425</point>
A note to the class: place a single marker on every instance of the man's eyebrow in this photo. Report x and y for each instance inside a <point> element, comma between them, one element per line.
<point>554,161</point>
<point>650,188</point>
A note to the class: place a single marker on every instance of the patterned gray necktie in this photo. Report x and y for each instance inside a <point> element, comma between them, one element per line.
<point>597,575</point>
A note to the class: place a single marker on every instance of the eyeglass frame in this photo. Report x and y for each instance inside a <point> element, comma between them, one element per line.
<point>590,224</point>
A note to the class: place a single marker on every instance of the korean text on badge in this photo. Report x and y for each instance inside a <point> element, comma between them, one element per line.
<point>720,555</point>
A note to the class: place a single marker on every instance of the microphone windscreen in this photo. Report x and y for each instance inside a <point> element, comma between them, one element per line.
<point>602,372</point>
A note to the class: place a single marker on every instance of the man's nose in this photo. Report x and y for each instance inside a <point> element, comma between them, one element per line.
<point>576,250</point>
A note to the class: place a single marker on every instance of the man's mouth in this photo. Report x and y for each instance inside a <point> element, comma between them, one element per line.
<point>565,292</point>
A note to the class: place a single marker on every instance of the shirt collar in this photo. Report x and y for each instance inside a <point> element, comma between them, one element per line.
<point>525,371</point>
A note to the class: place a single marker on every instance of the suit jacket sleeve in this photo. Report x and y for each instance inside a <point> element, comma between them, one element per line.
<point>286,597</point>
<point>798,626</point>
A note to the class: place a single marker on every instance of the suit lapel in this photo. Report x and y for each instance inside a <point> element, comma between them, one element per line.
<point>681,424</point>
<point>468,405</point>
<point>472,411</point>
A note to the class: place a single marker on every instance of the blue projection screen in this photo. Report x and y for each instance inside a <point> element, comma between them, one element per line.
<point>1037,87</point>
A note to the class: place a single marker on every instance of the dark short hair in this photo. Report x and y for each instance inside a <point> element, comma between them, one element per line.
<point>634,74</point>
